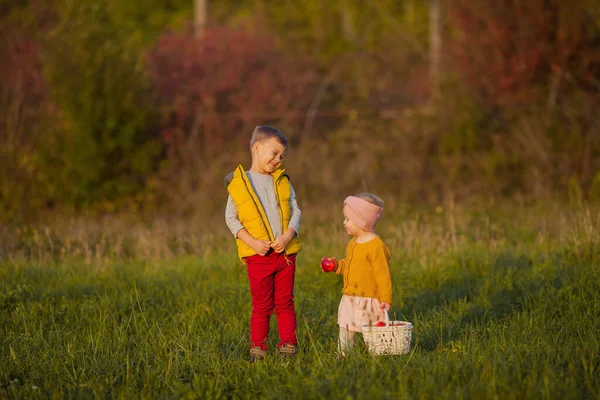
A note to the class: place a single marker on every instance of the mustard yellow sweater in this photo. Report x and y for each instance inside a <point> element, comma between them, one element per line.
<point>366,270</point>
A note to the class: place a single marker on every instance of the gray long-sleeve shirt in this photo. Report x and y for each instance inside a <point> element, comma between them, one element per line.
<point>263,186</point>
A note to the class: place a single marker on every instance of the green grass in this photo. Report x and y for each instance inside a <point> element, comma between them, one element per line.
<point>504,306</point>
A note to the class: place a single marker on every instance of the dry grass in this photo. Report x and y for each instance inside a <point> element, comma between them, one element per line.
<point>417,233</point>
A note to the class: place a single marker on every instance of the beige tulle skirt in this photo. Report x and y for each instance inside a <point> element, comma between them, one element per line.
<point>355,311</point>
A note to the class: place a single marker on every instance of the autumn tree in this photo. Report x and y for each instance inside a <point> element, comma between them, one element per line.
<point>212,92</point>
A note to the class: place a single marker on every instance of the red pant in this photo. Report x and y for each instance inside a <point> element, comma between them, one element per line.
<point>272,287</point>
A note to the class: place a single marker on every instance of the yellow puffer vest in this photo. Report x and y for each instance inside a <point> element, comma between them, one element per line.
<point>251,213</point>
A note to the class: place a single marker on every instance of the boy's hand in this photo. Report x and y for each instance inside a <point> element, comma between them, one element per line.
<point>279,244</point>
<point>385,305</point>
<point>261,247</point>
<point>281,241</point>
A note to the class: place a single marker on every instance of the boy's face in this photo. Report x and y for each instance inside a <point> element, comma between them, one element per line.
<point>351,227</point>
<point>268,155</point>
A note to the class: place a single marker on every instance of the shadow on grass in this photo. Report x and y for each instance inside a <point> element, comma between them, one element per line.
<point>474,294</point>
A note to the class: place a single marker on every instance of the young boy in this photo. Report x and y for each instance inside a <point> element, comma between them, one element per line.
<point>263,215</point>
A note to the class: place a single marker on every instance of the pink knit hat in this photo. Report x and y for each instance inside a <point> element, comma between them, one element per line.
<point>364,214</point>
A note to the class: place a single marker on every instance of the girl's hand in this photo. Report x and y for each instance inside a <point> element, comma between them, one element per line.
<point>385,305</point>
<point>261,247</point>
<point>328,264</point>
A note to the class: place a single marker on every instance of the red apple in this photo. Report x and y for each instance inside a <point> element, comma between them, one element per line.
<point>380,323</point>
<point>328,264</point>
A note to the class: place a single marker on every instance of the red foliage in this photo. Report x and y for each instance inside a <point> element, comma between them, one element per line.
<point>506,49</point>
<point>399,78</point>
<point>20,68</point>
<point>228,81</point>
<point>23,90</point>
<point>501,46</point>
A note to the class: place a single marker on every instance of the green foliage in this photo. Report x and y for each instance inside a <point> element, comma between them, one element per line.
<point>329,29</point>
<point>146,20</point>
<point>105,145</point>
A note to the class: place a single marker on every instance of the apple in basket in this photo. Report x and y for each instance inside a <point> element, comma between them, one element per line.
<point>328,264</point>
<point>380,323</point>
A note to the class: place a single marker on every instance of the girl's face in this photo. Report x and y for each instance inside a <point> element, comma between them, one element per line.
<point>351,227</point>
<point>268,155</point>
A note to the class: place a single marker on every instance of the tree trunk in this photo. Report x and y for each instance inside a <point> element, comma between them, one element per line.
<point>435,46</point>
<point>200,16</point>
<point>347,22</point>
<point>259,16</point>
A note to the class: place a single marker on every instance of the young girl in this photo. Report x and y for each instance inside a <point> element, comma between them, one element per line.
<point>367,289</point>
<point>263,215</point>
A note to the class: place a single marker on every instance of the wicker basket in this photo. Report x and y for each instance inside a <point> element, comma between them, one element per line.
<point>393,338</point>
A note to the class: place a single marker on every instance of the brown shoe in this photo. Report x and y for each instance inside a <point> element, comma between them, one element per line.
<point>257,354</point>
<point>287,350</point>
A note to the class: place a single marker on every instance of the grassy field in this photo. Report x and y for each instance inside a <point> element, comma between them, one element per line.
<point>505,303</point>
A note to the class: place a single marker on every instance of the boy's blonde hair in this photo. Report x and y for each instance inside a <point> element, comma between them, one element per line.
<point>263,132</point>
<point>371,198</point>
